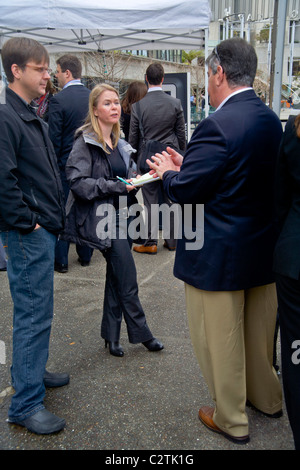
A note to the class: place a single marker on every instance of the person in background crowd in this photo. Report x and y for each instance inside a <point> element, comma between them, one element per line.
<point>67,112</point>
<point>290,101</point>
<point>42,103</point>
<point>135,92</point>
<point>287,268</point>
<point>32,213</point>
<point>229,166</point>
<point>97,158</point>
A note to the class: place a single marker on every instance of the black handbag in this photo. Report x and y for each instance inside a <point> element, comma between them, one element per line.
<point>151,148</point>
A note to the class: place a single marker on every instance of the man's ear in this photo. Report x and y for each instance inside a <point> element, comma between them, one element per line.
<point>16,71</point>
<point>220,75</point>
<point>69,75</point>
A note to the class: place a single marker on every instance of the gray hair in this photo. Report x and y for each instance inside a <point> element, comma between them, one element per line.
<point>237,58</point>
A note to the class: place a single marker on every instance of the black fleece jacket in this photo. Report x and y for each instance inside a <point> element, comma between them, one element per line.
<point>30,185</point>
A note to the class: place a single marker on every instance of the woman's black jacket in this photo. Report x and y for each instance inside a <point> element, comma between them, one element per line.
<point>90,207</point>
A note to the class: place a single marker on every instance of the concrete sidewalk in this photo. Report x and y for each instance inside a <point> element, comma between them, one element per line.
<point>143,401</point>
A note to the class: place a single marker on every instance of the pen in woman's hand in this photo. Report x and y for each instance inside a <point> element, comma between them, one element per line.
<point>124,181</point>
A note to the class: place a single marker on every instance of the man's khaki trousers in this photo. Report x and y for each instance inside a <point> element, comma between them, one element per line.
<point>232,333</point>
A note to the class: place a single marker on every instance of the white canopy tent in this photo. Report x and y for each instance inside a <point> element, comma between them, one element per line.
<point>84,25</point>
<point>69,25</point>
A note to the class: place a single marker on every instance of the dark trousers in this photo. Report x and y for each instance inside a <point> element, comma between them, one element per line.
<point>62,252</point>
<point>288,293</point>
<point>153,193</point>
<point>62,246</point>
<point>121,293</point>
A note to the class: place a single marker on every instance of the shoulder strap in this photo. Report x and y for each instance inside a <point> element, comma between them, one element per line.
<point>140,119</point>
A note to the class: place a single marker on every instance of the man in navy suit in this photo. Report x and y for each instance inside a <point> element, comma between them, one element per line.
<point>67,112</point>
<point>231,302</point>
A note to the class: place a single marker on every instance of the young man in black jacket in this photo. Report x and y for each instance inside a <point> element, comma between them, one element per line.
<point>67,112</point>
<point>31,216</point>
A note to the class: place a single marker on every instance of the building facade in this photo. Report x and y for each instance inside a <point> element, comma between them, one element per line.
<point>253,19</point>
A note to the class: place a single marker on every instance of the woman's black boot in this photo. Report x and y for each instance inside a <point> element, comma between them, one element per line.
<point>153,345</point>
<point>114,348</point>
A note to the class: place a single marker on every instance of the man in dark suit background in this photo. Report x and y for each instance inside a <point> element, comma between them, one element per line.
<point>163,120</point>
<point>229,166</point>
<point>67,112</point>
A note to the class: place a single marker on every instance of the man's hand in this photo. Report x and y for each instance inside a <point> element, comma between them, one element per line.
<point>176,157</point>
<point>161,162</point>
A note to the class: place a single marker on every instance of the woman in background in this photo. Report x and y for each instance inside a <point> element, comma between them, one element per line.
<point>97,158</point>
<point>135,92</point>
<point>42,103</point>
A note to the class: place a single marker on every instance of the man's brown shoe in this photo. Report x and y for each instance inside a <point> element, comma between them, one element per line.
<point>206,417</point>
<point>150,250</point>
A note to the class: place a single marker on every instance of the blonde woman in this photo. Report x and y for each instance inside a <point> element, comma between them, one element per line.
<point>97,215</point>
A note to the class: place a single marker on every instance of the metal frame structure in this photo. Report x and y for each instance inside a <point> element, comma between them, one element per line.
<point>90,25</point>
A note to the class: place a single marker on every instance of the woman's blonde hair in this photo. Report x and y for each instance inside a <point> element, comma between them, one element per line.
<point>91,123</point>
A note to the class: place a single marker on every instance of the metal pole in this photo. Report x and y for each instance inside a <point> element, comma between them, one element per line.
<point>227,28</point>
<point>269,48</point>
<point>242,20</point>
<point>249,29</point>
<point>206,77</point>
<point>282,9</point>
<point>272,65</point>
<point>291,55</point>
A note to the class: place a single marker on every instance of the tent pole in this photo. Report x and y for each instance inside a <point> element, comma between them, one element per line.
<point>282,10</point>
<point>205,74</point>
<point>272,64</point>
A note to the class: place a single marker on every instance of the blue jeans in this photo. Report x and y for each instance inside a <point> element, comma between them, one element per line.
<point>30,270</point>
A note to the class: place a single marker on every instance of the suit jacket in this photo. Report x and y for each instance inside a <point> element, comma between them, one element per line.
<point>229,166</point>
<point>162,119</point>
<point>287,251</point>
<point>67,112</point>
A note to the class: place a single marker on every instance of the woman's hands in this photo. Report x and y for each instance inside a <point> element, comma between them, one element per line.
<point>129,187</point>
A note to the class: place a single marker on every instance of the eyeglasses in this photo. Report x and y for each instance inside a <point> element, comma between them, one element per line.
<point>215,51</point>
<point>41,70</point>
